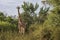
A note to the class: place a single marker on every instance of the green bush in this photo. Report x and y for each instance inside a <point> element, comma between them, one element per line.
<point>6,26</point>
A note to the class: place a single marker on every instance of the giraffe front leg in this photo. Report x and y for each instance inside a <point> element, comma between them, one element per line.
<point>22,30</point>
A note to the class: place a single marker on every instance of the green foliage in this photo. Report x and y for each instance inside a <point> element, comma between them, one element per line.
<point>46,34</point>
<point>29,7</point>
<point>7,23</point>
<point>43,14</point>
<point>50,30</point>
<point>2,16</point>
<point>53,19</point>
<point>6,26</point>
<point>56,34</point>
<point>54,2</point>
<point>29,16</point>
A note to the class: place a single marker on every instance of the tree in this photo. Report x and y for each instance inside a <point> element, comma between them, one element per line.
<point>29,16</point>
<point>30,9</point>
<point>53,19</point>
<point>7,23</point>
<point>43,14</point>
<point>2,16</point>
<point>54,15</point>
<point>54,2</point>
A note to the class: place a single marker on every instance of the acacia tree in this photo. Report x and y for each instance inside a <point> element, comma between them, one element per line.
<point>29,16</point>
<point>43,14</point>
<point>30,9</point>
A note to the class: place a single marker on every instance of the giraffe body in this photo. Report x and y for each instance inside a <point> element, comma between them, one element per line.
<point>21,24</point>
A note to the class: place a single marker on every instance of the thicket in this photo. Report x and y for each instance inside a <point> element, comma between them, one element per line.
<point>45,26</point>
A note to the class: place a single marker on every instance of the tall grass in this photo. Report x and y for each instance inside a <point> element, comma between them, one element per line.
<point>36,32</point>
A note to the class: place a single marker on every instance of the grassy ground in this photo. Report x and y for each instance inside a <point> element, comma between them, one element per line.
<point>36,32</point>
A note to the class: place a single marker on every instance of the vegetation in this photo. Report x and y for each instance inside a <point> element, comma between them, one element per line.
<point>45,26</point>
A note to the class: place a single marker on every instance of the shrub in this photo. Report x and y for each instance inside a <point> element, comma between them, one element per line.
<point>6,26</point>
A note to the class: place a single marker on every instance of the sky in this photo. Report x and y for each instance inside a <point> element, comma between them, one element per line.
<point>9,6</point>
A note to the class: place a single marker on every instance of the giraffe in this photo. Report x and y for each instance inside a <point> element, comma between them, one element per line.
<point>21,24</point>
